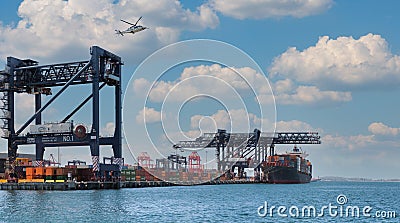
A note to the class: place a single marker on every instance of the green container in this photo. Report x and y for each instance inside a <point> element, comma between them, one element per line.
<point>128,173</point>
<point>60,178</point>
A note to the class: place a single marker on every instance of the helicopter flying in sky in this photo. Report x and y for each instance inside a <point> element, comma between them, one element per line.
<point>133,29</point>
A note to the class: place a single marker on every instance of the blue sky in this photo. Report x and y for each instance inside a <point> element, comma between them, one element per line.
<point>334,66</point>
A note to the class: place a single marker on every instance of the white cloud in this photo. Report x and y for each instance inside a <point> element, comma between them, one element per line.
<point>378,128</point>
<point>349,142</point>
<point>312,95</point>
<point>270,8</point>
<point>57,29</point>
<point>283,86</point>
<point>241,80</point>
<point>345,142</point>
<point>217,80</point>
<point>108,130</point>
<point>148,115</point>
<point>24,104</point>
<point>294,125</point>
<point>286,92</point>
<point>235,119</point>
<point>141,86</point>
<point>344,62</point>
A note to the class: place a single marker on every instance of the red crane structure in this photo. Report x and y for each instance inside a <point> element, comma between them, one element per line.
<point>195,163</point>
<point>144,160</point>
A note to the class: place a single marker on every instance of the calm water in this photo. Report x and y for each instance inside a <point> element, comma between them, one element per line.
<point>222,203</point>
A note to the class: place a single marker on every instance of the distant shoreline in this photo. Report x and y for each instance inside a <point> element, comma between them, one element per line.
<point>355,179</point>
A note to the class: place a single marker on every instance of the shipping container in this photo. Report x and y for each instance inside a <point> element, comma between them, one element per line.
<point>50,171</point>
<point>30,171</point>
<point>60,172</point>
<point>52,128</point>
<point>22,161</point>
<point>59,177</point>
<point>39,171</point>
<point>149,178</point>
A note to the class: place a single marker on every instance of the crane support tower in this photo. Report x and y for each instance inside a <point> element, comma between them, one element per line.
<point>27,76</point>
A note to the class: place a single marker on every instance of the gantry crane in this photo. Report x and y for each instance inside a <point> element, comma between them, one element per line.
<point>231,147</point>
<point>27,76</point>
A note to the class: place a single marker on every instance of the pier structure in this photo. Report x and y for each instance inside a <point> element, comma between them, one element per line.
<point>26,76</point>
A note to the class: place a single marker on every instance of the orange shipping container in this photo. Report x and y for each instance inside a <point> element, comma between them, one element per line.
<point>50,171</point>
<point>61,172</point>
<point>22,161</point>
<point>39,171</point>
<point>30,171</point>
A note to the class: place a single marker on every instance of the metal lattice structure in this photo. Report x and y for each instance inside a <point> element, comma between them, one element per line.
<point>51,75</point>
<point>27,76</point>
<point>235,147</point>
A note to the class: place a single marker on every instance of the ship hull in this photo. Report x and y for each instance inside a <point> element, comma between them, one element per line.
<point>287,175</point>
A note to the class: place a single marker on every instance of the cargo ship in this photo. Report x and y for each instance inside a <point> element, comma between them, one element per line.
<point>289,168</point>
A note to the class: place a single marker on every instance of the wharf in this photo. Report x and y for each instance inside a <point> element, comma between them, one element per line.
<point>95,185</point>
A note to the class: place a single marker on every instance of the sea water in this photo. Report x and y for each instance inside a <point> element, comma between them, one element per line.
<point>210,203</point>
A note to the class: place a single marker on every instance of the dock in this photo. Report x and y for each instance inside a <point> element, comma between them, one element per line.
<point>94,185</point>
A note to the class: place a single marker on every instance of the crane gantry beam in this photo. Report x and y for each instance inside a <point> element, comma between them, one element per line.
<point>52,75</point>
<point>246,145</point>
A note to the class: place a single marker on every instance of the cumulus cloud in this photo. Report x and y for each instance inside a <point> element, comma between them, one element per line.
<point>236,119</point>
<point>58,29</point>
<point>312,95</point>
<point>243,79</point>
<point>378,128</point>
<point>148,115</point>
<point>270,8</point>
<point>217,80</point>
<point>345,142</point>
<point>341,63</point>
<point>108,130</point>
<point>24,104</point>
<point>286,92</point>
<point>294,125</point>
<point>349,142</point>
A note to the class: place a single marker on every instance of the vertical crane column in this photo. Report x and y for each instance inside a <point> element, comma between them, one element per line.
<point>220,146</point>
<point>39,147</point>
<point>12,63</point>
<point>94,134</point>
<point>117,145</point>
